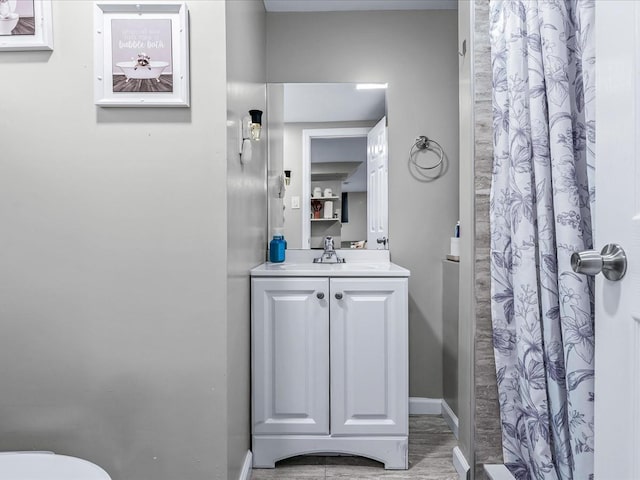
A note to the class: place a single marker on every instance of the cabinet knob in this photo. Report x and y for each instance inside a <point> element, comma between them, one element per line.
<point>320,295</point>
<point>339,296</point>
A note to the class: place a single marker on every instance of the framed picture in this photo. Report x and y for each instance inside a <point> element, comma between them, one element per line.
<point>25,25</point>
<point>141,54</point>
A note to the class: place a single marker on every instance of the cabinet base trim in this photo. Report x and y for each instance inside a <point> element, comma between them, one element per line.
<point>392,451</point>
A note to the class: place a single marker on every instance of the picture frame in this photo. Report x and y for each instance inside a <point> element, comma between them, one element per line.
<point>141,54</point>
<point>25,25</point>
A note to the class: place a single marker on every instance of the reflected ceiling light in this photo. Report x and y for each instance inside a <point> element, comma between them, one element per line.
<point>371,86</point>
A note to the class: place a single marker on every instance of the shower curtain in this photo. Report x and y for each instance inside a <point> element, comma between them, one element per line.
<point>542,194</point>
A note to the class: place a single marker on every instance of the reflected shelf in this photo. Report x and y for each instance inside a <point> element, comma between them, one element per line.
<point>324,198</point>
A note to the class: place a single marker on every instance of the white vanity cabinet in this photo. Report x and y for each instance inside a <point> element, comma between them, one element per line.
<point>329,368</point>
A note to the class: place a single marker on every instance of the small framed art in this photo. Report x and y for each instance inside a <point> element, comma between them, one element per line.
<point>25,25</point>
<point>141,54</point>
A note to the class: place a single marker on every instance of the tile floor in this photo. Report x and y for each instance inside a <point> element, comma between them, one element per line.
<point>430,452</point>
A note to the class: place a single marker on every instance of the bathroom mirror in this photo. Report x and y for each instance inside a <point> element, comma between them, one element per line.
<point>328,164</point>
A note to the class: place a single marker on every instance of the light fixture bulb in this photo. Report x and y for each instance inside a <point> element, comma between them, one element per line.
<point>256,130</point>
<point>256,124</point>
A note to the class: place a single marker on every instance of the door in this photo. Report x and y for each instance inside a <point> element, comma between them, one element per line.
<point>290,355</point>
<point>307,136</point>
<point>377,187</point>
<point>369,372</point>
<point>617,325</point>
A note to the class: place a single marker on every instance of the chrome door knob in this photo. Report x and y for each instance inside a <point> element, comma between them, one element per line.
<point>339,296</point>
<point>611,261</point>
<point>320,295</point>
<point>588,262</point>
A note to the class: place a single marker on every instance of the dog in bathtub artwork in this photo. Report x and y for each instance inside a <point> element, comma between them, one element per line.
<point>17,17</point>
<point>141,55</point>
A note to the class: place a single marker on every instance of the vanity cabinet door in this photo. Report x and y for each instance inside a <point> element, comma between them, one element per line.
<point>290,355</point>
<point>369,356</point>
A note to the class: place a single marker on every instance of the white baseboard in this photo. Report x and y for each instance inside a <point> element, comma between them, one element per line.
<point>425,406</point>
<point>450,417</point>
<point>498,472</point>
<point>460,464</point>
<point>245,473</point>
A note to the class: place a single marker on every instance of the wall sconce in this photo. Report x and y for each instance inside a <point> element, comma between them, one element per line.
<point>287,177</point>
<point>256,124</point>
<point>250,129</point>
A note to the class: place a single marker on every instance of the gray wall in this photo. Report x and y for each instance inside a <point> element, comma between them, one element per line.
<point>339,150</point>
<point>450,298</point>
<point>356,228</point>
<point>113,286</point>
<point>246,211</point>
<point>415,52</point>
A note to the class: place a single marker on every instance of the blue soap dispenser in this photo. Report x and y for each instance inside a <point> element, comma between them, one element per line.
<point>277,246</point>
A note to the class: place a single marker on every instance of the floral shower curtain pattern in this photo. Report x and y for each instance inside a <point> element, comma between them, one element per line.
<point>543,62</point>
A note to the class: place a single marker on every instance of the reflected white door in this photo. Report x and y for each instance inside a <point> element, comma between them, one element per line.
<point>377,189</point>
<point>617,327</point>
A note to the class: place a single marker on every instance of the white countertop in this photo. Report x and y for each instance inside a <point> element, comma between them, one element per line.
<point>355,269</point>
<point>359,263</point>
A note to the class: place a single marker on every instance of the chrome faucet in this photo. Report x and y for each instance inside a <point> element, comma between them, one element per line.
<point>329,255</point>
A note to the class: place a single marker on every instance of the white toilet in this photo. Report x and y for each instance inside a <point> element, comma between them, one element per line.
<point>47,466</point>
